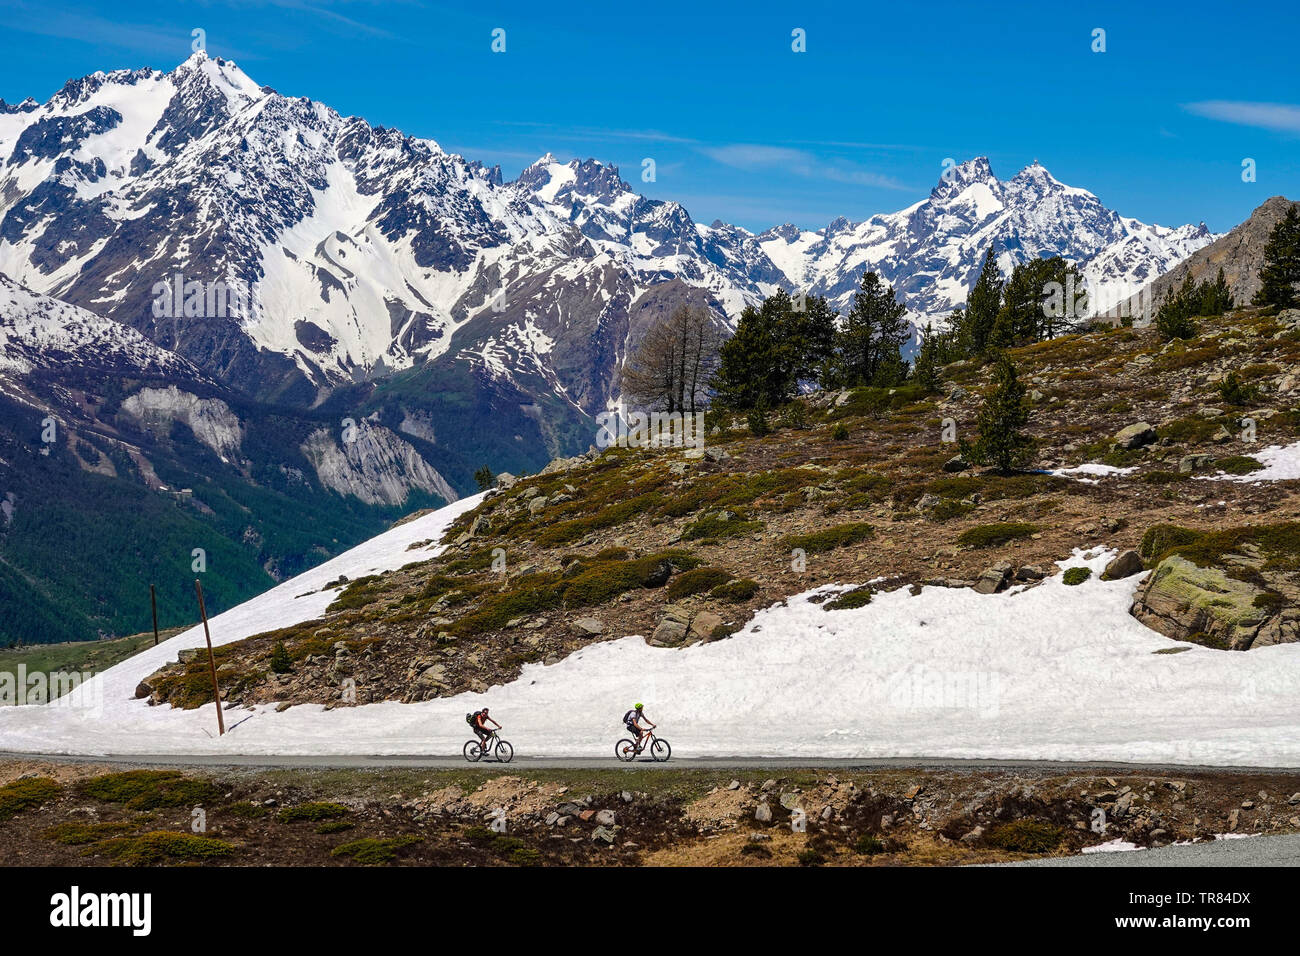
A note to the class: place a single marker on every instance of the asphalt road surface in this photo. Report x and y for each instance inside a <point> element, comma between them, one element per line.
<point>457,761</point>
<point>1281,850</point>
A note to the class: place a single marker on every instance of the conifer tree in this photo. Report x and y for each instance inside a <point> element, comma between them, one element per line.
<point>1000,442</point>
<point>866,349</point>
<point>982,306</point>
<point>1281,270</point>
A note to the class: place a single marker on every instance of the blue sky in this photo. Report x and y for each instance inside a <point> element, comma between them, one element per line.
<point>741,127</point>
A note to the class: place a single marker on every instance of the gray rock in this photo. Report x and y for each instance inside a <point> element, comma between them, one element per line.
<point>1135,435</point>
<point>605,817</point>
<point>703,625</point>
<point>763,813</point>
<point>956,463</point>
<point>602,835</point>
<point>1123,566</point>
<point>994,579</point>
<point>587,627</point>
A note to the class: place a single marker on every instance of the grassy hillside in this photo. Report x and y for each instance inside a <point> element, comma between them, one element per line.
<point>847,487</point>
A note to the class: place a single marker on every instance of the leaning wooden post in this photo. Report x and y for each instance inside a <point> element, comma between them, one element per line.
<point>153,602</point>
<point>212,661</point>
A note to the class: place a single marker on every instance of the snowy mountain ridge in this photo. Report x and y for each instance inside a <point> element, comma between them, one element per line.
<point>368,251</point>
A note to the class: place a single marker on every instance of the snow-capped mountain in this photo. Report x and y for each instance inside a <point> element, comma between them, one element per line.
<point>301,257</point>
<point>932,251</point>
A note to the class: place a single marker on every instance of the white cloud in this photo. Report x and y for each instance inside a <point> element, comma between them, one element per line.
<point>1275,116</point>
<point>751,156</point>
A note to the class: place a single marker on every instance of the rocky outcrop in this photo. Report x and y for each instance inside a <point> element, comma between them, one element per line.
<point>1206,605</point>
<point>1239,254</point>
<point>210,419</point>
<point>373,464</point>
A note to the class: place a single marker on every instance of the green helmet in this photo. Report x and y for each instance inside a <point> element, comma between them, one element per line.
<point>640,706</point>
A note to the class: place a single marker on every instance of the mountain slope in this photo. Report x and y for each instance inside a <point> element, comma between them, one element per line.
<point>364,251</point>
<point>118,459</point>
<point>1240,253</point>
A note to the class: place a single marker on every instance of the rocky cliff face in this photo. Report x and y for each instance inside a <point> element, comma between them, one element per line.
<point>1240,253</point>
<point>210,419</point>
<point>373,464</point>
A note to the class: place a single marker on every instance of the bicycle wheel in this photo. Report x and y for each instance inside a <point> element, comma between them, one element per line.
<point>625,750</point>
<point>473,751</point>
<point>660,750</point>
<point>504,751</point>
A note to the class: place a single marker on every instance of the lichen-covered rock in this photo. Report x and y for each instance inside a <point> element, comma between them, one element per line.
<point>1205,605</point>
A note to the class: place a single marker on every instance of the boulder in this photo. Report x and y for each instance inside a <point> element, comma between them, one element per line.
<point>956,463</point>
<point>673,627</point>
<point>703,625</point>
<point>1206,606</point>
<point>1135,435</point>
<point>587,627</point>
<point>994,579</point>
<point>1124,566</point>
<point>1191,464</point>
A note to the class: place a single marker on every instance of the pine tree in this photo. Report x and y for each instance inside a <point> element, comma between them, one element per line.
<point>1216,297</point>
<point>866,346</point>
<point>925,370</point>
<point>1004,412</point>
<point>1034,305</point>
<point>982,306</point>
<point>1281,270</point>
<point>484,478</point>
<point>777,348</point>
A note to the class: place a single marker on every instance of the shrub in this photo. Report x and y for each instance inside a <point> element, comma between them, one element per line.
<point>720,524</point>
<point>696,582</point>
<point>1075,576</point>
<point>1159,477</point>
<point>151,789</point>
<point>335,826</point>
<point>24,794</point>
<point>992,535</point>
<point>1161,537</point>
<point>858,597</point>
<point>158,846</point>
<point>281,662</point>
<point>829,539</point>
<point>1026,836</point>
<point>1238,465</point>
<point>370,851</point>
<point>1235,391</point>
<point>840,432</point>
<point>79,834</point>
<point>869,845</point>
<point>735,591</point>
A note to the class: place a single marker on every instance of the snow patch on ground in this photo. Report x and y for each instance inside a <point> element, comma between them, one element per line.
<point>1047,672</point>
<point>1281,463</point>
<point>1092,472</point>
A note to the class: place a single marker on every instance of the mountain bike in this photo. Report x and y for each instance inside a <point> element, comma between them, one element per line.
<point>626,750</point>
<point>494,745</point>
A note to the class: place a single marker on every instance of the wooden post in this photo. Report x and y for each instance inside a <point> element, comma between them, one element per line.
<point>212,661</point>
<point>153,601</point>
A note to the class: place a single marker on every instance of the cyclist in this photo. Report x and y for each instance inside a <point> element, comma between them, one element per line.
<point>631,720</point>
<point>481,720</point>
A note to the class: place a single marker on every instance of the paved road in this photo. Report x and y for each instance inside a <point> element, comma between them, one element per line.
<point>1281,850</point>
<point>446,762</point>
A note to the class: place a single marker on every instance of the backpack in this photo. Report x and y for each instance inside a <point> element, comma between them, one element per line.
<point>629,717</point>
<point>469,719</point>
